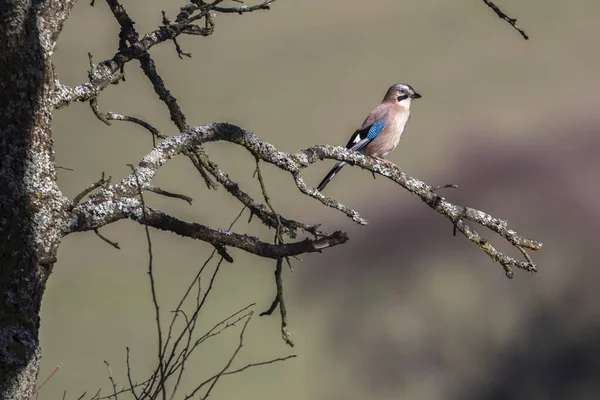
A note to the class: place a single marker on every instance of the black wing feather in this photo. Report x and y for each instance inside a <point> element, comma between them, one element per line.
<point>357,141</point>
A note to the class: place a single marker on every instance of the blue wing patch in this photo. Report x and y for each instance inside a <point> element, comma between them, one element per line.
<point>375,129</point>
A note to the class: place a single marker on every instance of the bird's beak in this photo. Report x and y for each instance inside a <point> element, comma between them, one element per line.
<point>416,95</point>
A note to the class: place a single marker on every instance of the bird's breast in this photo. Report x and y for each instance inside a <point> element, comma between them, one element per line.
<point>398,123</point>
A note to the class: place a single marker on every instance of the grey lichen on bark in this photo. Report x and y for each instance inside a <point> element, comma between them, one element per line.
<point>116,201</point>
<point>35,215</point>
<point>31,204</point>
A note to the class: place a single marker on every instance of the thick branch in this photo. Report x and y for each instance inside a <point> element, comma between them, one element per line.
<point>107,208</point>
<point>129,34</point>
<point>269,218</point>
<point>107,71</point>
<point>293,163</point>
<point>30,201</point>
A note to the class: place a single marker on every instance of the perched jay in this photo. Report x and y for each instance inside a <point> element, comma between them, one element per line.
<point>382,130</point>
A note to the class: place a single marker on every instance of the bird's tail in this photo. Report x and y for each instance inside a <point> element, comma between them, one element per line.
<point>336,168</point>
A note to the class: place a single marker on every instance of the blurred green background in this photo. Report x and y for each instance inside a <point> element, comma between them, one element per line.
<point>404,310</point>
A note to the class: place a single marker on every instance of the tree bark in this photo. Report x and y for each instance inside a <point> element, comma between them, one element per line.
<point>32,207</point>
<point>34,214</point>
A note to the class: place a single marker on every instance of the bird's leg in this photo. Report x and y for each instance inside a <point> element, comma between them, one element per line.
<point>391,164</point>
<point>383,160</point>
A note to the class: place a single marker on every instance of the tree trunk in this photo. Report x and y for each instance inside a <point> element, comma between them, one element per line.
<point>32,207</point>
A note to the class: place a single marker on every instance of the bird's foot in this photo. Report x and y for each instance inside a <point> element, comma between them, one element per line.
<point>391,164</point>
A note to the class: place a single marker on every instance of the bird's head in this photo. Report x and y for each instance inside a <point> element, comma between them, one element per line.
<point>402,94</point>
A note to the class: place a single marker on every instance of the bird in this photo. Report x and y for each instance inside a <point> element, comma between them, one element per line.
<point>381,131</point>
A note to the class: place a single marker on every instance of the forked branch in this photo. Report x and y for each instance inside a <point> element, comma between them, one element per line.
<point>120,197</point>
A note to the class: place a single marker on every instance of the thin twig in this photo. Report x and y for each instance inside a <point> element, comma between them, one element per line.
<point>106,72</point>
<point>107,240</point>
<point>226,367</point>
<point>97,395</point>
<point>287,226</point>
<point>132,387</point>
<point>214,331</point>
<point>450,185</point>
<point>152,287</point>
<point>190,325</point>
<point>112,381</point>
<point>194,281</point>
<point>263,187</point>
<point>157,190</point>
<point>46,380</point>
<point>274,360</point>
<point>199,161</point>
<point>99,183</point>
<point>279,301</point>
<point>502,15</point>
<point>111,116</point>
<point>265,5</point>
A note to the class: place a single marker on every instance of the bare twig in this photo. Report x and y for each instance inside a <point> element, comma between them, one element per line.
<point>37,391</point>
<point>125,199</point>
<point>199,160</point>
<point>107,72</point>
<point>96,110</point>
<point>179,363</point>
<point>112,381</point>
<point>502,15</point>
<point>265,5</point>
<point>106,117</point>
<point>99,183</point>
<point>115,209</point>
<point>274,360</point>
<point>226,323</point>
<point>111,116</point>
<point>278,238</point>
<point>97,395</point>
<point>195,280</point>
<point>172,364</point>
<point>292,163</point>
<point>64,95</point>
<point>448,186</point>
<point>279,301</point>
<point>152,286</point>
<point>165,193</point>
<point>132,387</point>
<point>226,367</point>
<point>287,226</point>
<point>236,371</point>
<point>107,240</point>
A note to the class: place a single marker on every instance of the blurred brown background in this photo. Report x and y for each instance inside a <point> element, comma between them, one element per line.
<point>404,310</point>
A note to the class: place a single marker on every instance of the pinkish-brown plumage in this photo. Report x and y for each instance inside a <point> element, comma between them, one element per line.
<point>381,131</point>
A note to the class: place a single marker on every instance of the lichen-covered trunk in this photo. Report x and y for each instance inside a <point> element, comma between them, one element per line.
<point>31,205</point>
